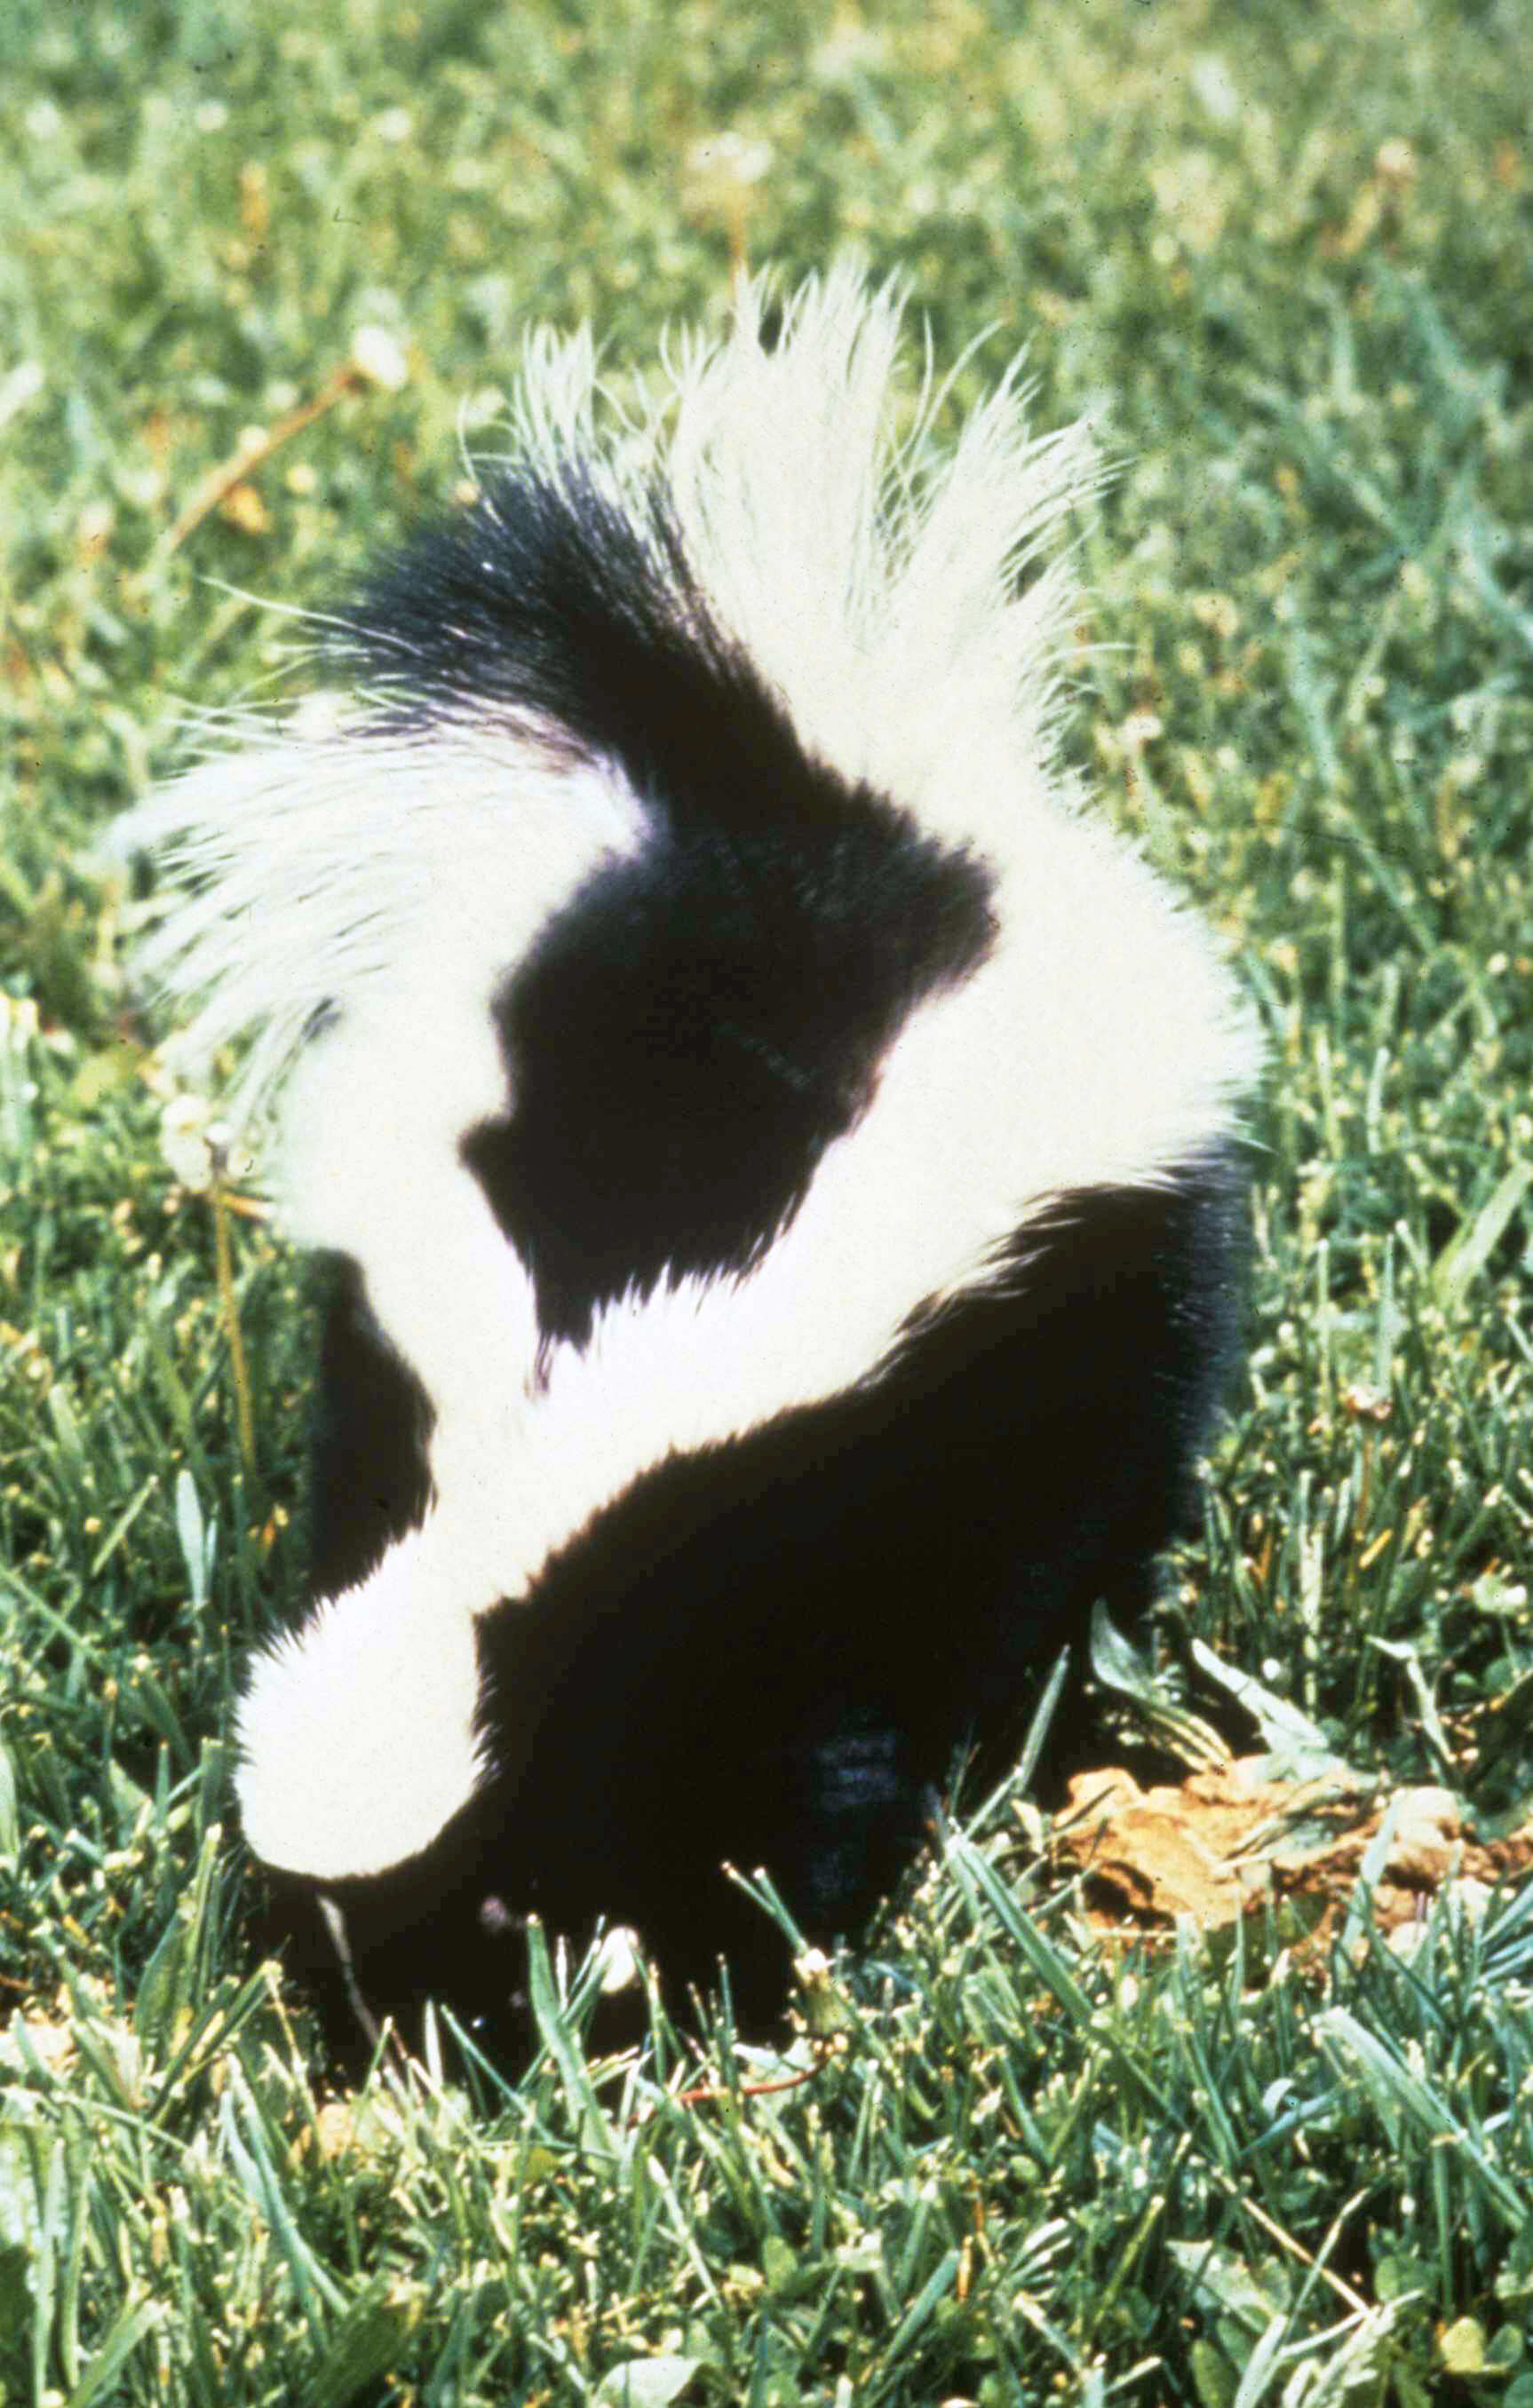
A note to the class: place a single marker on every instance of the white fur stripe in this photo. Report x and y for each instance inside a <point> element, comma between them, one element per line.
<point>357,1737</point>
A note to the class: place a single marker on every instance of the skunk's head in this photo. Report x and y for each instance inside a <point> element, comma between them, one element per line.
<point>772,1156</point>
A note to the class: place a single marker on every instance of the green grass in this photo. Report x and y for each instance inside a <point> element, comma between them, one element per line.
<point>1281,255</point>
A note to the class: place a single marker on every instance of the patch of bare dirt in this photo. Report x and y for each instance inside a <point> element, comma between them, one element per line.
<point>1226,1840</point>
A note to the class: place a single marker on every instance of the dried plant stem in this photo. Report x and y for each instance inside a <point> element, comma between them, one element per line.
<point>248,455</point>
<point>244,1418</point>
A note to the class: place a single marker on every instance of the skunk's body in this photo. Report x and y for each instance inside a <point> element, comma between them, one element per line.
<point>774,1159</point>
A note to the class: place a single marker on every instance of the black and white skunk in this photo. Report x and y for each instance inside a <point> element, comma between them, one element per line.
<point>776,1162</point>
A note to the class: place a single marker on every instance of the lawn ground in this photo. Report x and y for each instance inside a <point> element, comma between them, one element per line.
<point>1281,253</point>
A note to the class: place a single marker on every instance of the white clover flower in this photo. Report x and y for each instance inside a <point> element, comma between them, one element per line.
<point>199,1148</point>
<point>849,49</point>
<point>1216,87</point>
<point>378,357</point>
<point>18,1022</point>
<point>19,388</point>
<point>1141,727</point>
<point>734,158</point>
<point>618,1958</point>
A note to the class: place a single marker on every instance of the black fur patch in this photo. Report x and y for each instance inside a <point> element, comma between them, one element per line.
<point>371,1478</point>
<point>545,602</point>
<point>689,1036</point>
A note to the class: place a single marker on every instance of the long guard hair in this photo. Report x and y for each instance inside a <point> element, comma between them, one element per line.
<point>774,1159</point>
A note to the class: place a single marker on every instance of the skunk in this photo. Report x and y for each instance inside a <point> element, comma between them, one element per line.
<point>775,1165</point>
